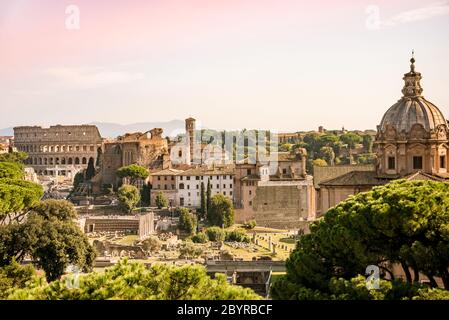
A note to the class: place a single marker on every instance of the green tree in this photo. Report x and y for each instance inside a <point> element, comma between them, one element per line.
<point>221,212</point>
<point>50,236</point>
<point>187,221</point>
<point>15,276</point>
<point>11,170</point>
<point>145,195</point>
<point>17,197</point>
<point>134,172</point>
<point>237,235</point>
<point>128,196</point>
<point>133,281</point>
<point>319,163</point>
<point>367,143</point>
<point>90,171</point>
<point>78,179</point>
<point>18,157</point>
<point>402,223</point>
<point>215,234</point>
<point>189,250</point>
<point>200,237</point>
<point>203,208</point>
<point>351,139</point>
<point>208,197</point>
<point>161,200</point>
<point>327,153</point>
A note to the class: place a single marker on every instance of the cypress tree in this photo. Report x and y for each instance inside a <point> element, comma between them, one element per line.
<point>203,209</point>
<point>208,196</point>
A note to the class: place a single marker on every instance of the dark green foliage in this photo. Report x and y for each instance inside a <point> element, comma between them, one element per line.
<point>203,208</point>
<point>187,221</point>
<point>78,179</point>
<point>11,170</point>
<point>18,157</point>
<point>237,235</point>
<point>134,172</point>
<point>50,236</point>
<point>145,195</point>
<point>215,234</point>
<point>404,222</point>
<point>161,201</point>
<point>134,281</point>
<point>208,198</point>
<point>200,237</point>
<point>221,211</point>
<point>128,196</point>
<point>90,171</point>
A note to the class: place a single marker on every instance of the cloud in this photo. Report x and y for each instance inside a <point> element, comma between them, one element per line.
<point>420,14</point>
<point>86,78</point>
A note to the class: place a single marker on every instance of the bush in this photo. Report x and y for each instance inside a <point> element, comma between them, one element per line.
<point>200,237</point>
<point>237,236</point>
<point>215,234</point>
<point>251,224</point>
<point>187,221</point>
<point>189,250</point>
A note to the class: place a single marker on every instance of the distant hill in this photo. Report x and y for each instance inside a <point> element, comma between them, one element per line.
<point>7,132</point>
<point>112,130</point>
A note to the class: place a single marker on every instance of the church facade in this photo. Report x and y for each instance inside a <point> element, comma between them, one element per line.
<point>411,143</point>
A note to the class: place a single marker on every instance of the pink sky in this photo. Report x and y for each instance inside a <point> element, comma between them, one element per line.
<point>189,57</point>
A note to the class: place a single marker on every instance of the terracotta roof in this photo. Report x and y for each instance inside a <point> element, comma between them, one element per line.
<point>321,174</point>
<point>356,178</point>
<point>166,172</point>
<point>423,176</point>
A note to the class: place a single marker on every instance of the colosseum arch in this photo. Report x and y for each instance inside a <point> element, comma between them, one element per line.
<point>84,160</point>
<point>77,160</point>
<point>63,161</point>
<point>70,161</point>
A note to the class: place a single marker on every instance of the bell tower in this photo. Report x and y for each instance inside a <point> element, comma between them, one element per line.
<point>190,136</point>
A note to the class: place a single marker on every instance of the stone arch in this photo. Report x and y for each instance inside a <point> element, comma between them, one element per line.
<point>56,161</point>
<point>45,161</point>
<point>181,186</point>
<point>77,160</point>
<point>63,161</point>
<point>40,161</point>
<point>70,161</point>
<point>84,160</point>
<point>51,161</point>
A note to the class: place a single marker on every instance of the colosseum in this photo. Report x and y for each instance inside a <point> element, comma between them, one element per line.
<point>58,151</point>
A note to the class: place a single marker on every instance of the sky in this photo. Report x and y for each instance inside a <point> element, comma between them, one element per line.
<point>282,65</point>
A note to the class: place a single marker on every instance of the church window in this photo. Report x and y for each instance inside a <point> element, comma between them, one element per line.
<point>417,162</point>
<point>442,161</point>
<point>391,163</point>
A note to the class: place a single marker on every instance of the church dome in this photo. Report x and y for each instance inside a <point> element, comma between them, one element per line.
<point>412,108</point>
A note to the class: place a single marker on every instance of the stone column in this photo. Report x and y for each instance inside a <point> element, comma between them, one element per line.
<point>269,244</point>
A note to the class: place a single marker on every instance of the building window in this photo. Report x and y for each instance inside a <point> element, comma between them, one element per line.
<point>218,186</point>
<point>391,163</point>
<point>188,194</point>
<point>284,171</point>
<point>197,186</point>
<point>230,186</point>
<point>250,203</point>
<point>417,162</point>
<point>159,178</point>
<point>180,153</point>
<point>181,186</point>
<point>224,186</point>
<point>442,161</point>
<point>224,193</point>
<point>197,178</point>
<point>230,193</point>
<point>165,178</point>
<point>188,177</point>
<point>250,192</point>
<point>181,178</point>
<point>173,186</point>
<point>165,187</point>
<point>188,186</point>
<point>248,172</point>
